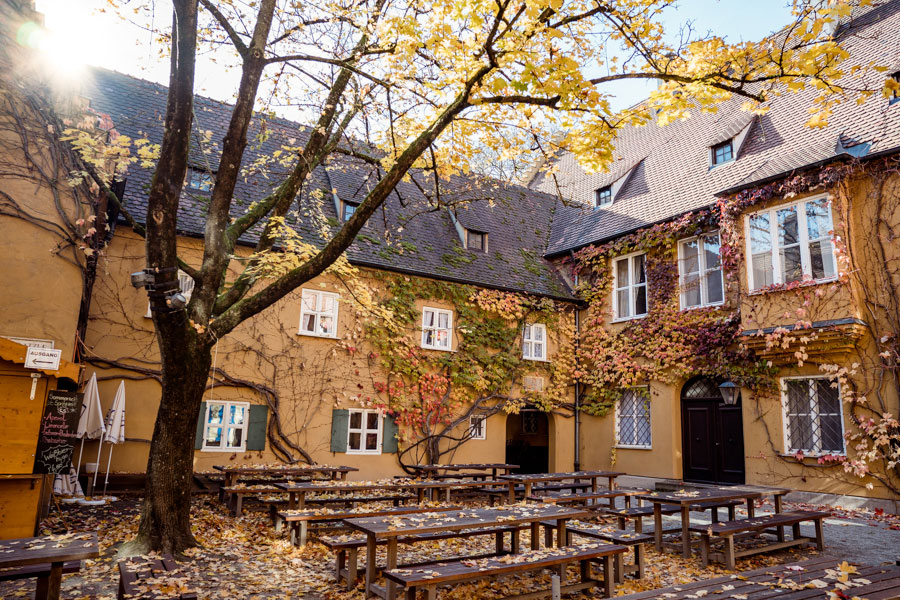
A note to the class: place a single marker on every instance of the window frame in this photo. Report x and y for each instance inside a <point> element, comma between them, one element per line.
<point>605,191</point>
<point>437,312</point>
<point>202,174</point>
<point>244,427</point>
<point>344,205</point>
<point>649,446</point>
<point>712,153</point>
<point>481,419</point>
<point>529,327</point>
<point>704,272</point>
<point>184,281</point>
<point>895,97</point>
<point>784,418</point>
<point>803,235</point>
<point>484,240</point>
<point>615,296</point>
<point>319,313</point>
<point>364,430</point>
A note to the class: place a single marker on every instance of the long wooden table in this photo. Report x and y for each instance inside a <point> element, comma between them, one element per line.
<point>234,472</point>
<point>530,479</point>
<point>807,580</point>
<point>52,549</point>
<point>480,469</point>
<point>393,528</point>
<point>298,490</point>
<point>685,498</point>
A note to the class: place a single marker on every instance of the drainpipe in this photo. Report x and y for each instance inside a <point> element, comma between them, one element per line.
<point>577,464</point>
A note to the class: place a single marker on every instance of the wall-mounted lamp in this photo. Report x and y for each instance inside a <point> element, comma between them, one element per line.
<point>730,392</point>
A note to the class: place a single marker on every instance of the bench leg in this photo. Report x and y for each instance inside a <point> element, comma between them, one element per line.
<point>619,564</point>
<point>340,561</point>
<point>820,537</point>
<point>238,504</point>
<point>431,592</point>
<point>411,593</point>
<point>548,537</point>
<point>391,587</point>
<point>42,590</point>
<point>795,530</point>
<point>561,573</point>
<point>657,525</point>
<point>729,552</point>
<point>585,571</point>
<point>714,514</point>
<point>371,567</point>
<point>620,522</point>
<point>639,525</point>
<point>731,516</point>
<point>515,540</point>
<point>304,530</point>
<point>639,559</point>
<point>704,549</point>
<point>609,586</point>
<point>535,536</point>
<point>352,568</point>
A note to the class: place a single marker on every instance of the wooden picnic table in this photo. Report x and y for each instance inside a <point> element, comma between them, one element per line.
<point>590,499</point>
<point>788,582</point>
<point>297,491</point>
<point>481,469</point>
<point>685,498</point>
<point>430,522</point>
<point>153,578</point>
<point>234,472</point>
<point>530,479</point>
<point>51,549</point>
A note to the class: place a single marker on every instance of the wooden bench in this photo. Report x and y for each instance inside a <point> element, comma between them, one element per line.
<point>503,493</point>
<point>460,571</point>
<point>607,533</point>
<point>727,530</point>
<point>637,513</point>
<point>348,500</point>
<point>583,498</point>
<point>40,571</point>
<point>137,575</point>
<point>346,547</point>
<point>299,520</point>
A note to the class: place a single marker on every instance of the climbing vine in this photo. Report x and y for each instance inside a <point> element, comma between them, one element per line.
<point>430,393</point>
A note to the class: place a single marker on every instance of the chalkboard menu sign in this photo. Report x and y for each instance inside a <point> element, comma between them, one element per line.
<point>59,426</point>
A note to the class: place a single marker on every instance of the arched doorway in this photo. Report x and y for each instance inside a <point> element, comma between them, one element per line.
<point>528,441</point>
<point>712,434</point>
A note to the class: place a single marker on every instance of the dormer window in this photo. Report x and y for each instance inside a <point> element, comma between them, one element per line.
<point>476,240</point>
<point>198,179</point>
<point>603,196</point>
<point>347,209</point>
<point>721,153</point>
<point>895,95</point>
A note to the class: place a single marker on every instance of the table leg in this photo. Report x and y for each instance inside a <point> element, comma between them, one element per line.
<point>751,508</point>
<point>370,563</point>
<point>609,585</point>
<point>528,488</point>
<point>535,535</point>
<point>612,483</point>
<point>447,496</point>
<point>657,525</point>
<point>301,500</point>
<point>391,587</point>
<point>593,485</point>
<point>561,536</point>
<point>778,508</point>
<point>48,589</point>
<point>685,531</point>
<point>512,492</point>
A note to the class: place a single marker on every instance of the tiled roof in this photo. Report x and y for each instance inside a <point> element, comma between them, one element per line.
<point>674,176</point>
<point>419,240</point>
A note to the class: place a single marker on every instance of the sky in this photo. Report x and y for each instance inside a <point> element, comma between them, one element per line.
<point>82,34</point>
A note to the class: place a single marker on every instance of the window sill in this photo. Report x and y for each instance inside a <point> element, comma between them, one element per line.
<point>230,450</point>
<point>701,306</point>
<point>626,319</point>
<point>539,360</point>
<point>814,456</point>
<point>317,335</point>
<point>785,287</point>
<point>623,447</point>
<point>437,349</point>
<point>364,452</point>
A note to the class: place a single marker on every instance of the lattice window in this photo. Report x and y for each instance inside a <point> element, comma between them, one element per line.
<point>530,421</point>
<point>813,417</point>
<point>701,388</point>
<point>633,418</point>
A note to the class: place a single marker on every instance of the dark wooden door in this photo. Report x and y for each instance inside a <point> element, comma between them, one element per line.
<point>528,441</point>
<point>712,435</point>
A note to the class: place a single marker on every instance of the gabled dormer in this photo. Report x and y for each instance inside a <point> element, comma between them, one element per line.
<point>606,195</point>
<point>726,146</point>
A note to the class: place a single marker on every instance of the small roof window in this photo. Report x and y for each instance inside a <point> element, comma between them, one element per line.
<point>721,153</point>
<point>198,179</point>
<point>895,94</point>
<point>347,209</point>
<point>476,240</point>
<point>603,196</point>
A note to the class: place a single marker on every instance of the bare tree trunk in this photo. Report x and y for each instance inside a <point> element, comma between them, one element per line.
<point>165,517</point>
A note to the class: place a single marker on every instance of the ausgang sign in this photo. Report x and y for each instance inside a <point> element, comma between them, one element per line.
<point>43,358</point>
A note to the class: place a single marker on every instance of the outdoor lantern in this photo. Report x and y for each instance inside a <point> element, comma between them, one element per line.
<point>730,392</point>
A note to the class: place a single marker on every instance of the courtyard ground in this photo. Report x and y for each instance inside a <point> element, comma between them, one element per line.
<point>244,559</point>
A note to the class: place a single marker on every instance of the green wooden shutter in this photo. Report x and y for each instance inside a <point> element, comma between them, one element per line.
<point>256,427</point>
<point>389,435</point>
<point>198,440</point>
<point>340,421</point>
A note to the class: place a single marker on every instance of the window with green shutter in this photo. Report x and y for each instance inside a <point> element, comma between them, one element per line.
<point>340,420</point>
<point>389,438</point>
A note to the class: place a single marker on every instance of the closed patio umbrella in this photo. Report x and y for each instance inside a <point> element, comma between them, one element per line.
<point>115,427</point>
<point>90,425</point>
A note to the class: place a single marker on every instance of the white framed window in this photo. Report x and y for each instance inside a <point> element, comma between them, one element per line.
<point>318,313</point>
<point>533,383</point>
<point>364,431</point>
<point>225,426</point>
<point>437,328</point>
<point>476,240</point>
<point>477,427</point>
<point>700,271</point>
<point>603,196</point>
<point>790,243</point>
<point>630,287</point>
<point>534,341</point>
<point>813,419</point>
<point>633,418</point>
<point>185,284</point>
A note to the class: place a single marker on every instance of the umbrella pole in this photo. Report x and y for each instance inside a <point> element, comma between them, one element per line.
<point>80,452</point>
<point>97,470</point>
<point>108,463</point>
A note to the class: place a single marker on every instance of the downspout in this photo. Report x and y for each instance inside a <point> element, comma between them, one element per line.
<point>577,461</point>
